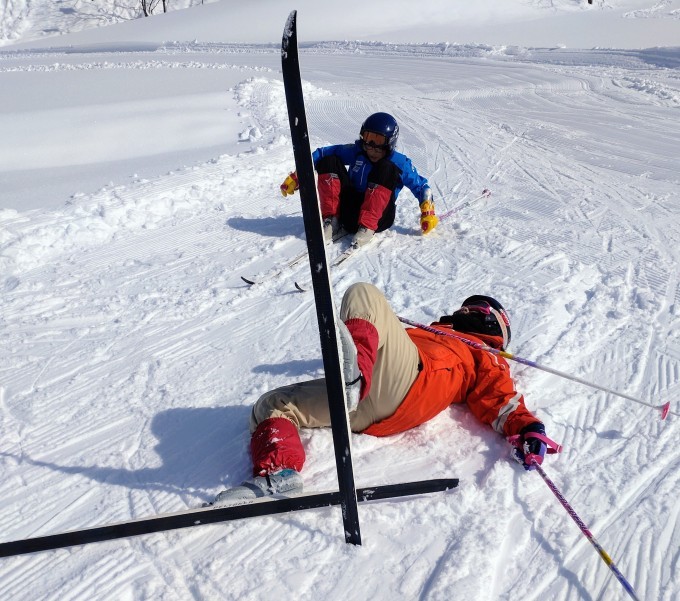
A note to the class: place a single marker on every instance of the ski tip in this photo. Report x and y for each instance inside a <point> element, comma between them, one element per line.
<point>665,409</point>
<point>289,29</point>
<point>247,281</point>
<point>300,288</point>
<point>290,21</point>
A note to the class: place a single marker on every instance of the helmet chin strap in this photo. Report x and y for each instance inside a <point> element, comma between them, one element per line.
<point>501,323</point>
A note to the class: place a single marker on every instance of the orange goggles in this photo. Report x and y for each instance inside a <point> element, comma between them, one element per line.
<point>373,140</point>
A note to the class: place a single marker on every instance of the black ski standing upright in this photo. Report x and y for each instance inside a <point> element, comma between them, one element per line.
<point>320,278</point>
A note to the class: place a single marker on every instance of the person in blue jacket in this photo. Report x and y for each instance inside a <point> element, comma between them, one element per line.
<point>358,183</point>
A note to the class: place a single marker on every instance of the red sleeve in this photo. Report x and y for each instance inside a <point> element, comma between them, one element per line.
<point>365,338</point>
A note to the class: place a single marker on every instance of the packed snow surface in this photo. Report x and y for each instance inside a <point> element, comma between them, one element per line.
<point>139,179</point>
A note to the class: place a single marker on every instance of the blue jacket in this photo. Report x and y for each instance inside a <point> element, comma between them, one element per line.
<point>359,166</point>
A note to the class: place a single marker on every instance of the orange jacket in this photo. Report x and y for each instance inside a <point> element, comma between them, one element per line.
<point>453,372</point>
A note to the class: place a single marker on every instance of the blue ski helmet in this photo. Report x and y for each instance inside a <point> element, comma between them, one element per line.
<point>382,123</point>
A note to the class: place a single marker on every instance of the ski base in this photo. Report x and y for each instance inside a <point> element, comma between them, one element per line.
<point>213,515</point>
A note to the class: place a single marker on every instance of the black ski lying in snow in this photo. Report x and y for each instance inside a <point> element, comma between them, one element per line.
<point>213,515</point>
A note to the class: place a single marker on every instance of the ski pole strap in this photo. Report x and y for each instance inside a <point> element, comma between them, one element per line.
<point>551,446</point>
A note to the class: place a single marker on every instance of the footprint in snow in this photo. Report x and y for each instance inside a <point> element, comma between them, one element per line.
<point>10,283</point>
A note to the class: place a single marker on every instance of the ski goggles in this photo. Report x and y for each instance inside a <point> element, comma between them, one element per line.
<point>373,140</point>
<point>491,315</point>
<point>482,307</point>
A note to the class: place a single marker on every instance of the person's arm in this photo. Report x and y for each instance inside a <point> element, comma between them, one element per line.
<point>421,190</point>
<point>494,400</point>
<point>346,152</point>
<point>413,180</point>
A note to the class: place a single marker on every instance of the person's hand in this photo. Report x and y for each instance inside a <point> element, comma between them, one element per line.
<point>531,445</point>
<point>290,184</point>
<point>428,220</point>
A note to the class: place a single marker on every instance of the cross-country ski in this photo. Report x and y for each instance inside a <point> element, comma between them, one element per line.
<point>215,514</point>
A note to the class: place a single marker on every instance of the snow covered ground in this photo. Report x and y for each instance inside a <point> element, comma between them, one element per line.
<point>139,174</point>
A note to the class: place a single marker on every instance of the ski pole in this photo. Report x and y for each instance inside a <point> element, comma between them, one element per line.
<point>664,408</point>
<point>485,194</point>
<point>584,529</point>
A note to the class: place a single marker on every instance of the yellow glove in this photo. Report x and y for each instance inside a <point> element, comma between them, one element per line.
<point>289,186</point>
<point>428,220</point>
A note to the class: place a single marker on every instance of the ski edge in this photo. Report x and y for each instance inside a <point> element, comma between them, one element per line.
<point>216,514</point>
<point>320,275</point>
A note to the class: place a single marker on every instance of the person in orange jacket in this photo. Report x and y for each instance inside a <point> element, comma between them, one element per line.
<point>402,378</point>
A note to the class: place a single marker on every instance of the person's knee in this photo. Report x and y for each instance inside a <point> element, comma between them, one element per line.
<point>386,174</point>
<point>361,299</point>
<point>270,404</point>
<point>329,164</point>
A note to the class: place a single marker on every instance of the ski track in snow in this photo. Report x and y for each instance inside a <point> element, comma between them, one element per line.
<point>132,349</point>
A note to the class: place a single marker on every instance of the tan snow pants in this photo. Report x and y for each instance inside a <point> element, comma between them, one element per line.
<point>395,370</point>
